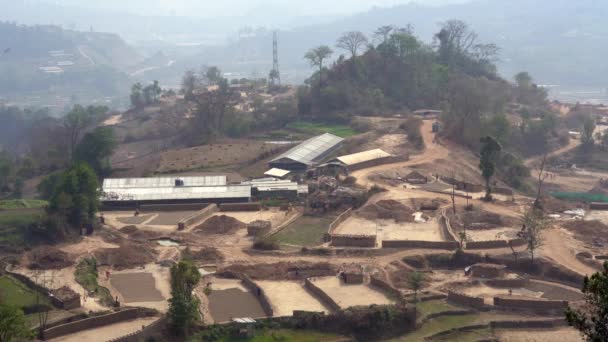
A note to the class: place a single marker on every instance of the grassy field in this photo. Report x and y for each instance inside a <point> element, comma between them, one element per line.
<point>13,225</point>
<point>22,204</point>
<point>306,231</point>
<point>437,325</point>
<point>317,128</point>
<point>14,292</point>
<point>434,306</point>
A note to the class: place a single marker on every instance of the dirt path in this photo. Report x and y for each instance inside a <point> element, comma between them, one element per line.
<point>432,152</point>
<point>559,247</point>
<point>572,144</point>
<point>107,333</point>
<point>86,56</point>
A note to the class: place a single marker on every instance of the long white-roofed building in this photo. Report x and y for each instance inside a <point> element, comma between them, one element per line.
<point>308,153</point>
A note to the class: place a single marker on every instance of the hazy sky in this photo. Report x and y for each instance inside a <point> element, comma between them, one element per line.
<point>222,8</point>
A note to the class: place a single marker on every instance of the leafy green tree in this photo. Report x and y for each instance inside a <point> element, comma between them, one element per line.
<point>95,149</point>
<point>213,75</point>
<point>75,195</point>
<point>316,57</point>
<point>75,123</point>
<point>415,280</point>
<point>592,319</point>
<point>587,137</point>
<point>183,305</point>
<point>487,162</point>
<point>13,325</point>
<point>137,95</point>
<point>523,80</point>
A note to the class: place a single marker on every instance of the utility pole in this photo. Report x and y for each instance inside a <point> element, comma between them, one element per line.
<point>275,74</point>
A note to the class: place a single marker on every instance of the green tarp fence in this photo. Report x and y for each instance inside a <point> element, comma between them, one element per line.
<point>580,196</point>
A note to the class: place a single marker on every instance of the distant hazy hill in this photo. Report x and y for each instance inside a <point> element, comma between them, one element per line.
<point>559,41</point>
<point>47,62</point>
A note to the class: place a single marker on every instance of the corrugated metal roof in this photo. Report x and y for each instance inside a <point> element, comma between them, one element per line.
<point>158,182</point>
<point>308,151</point>
<point>279,173</point>
<point>176,193</point>
<point>361,157</point>
<point>278,187</point>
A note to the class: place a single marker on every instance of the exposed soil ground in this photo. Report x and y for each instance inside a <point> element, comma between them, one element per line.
<point>136,287</point>
<point>221,224</point>
<point>126,256</point>
<point>49,258</point>
<point>229,299</point>
<point>350,295</point>
<point>593,233</point>
<point>285,270</point>
<point>391,230</point>
<point>108,332</point>
<point>287,296</point>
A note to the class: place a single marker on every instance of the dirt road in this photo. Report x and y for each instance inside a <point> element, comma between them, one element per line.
<point>572,144</point>
<point>559,246</point>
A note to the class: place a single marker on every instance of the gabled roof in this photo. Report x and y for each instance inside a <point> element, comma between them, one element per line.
<point>158,182</point>
<point>311,149</point>
<point>361,157</point>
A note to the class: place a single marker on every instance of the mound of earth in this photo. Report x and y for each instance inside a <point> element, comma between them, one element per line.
<point>126,256</point>
<point>128,230</point>
<point>207,255</point>
<point>49,258</point>
<point>136,234</point>
<point>220,225</point>
<point>283,270</point>
<point>387,209</point>
<point>425,204</point>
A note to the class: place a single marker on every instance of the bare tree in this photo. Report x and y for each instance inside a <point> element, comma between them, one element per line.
<point>46,281</point>
<point>190,82</point>
<point>352,41</point>
<point>383,33</point>
<point>542,176</point>
<point>535,222</point>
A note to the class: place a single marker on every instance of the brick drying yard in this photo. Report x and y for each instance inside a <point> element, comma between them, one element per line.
<point>350,295</point>
<point>287,296</point>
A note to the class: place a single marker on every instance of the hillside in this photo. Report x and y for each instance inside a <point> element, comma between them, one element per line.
<point>83,66</point>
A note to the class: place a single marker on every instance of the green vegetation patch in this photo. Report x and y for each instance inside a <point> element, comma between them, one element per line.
<point>466,336</point>
<point>434,306</point>
<point>436,325</point>
<point>22,204</point>
<point>580,196</point>
<point>317,128</point>
<point>278,335</point>
<point>13,292</point>
<point>14,226</point>
<point>305,231</point>
<point>86,275</point>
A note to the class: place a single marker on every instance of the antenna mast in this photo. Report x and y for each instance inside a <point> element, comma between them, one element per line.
<point>275,74</point>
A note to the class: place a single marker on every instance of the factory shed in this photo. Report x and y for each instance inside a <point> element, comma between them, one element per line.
<point>364,159</point>
<point>162,182</point>
<point>308,153</point>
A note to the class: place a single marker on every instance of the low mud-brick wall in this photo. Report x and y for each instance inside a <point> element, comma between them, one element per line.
<point>387,289</point>
<point>197,217</point>
<point>90,323</point>
<point>255,206</point>
<point>353,240</point>
<point>341,218</point>
<point>449,245</point>
<point>321,295</point>
<point>462,299</point>
<point>530,304</point>
<point>259,293</point>
<point>487,244</point>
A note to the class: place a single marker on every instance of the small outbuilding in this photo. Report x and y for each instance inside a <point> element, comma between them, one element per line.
<point>352,275</point>
<point>277,173</point>
<point>308,153</point>
<point>416,177</point>
<point>65,298</point>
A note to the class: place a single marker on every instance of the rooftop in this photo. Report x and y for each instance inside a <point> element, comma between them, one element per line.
<point>308,151</point>
<point>158,182</point>
<point>175,193</point>
<point>361,157</point>
<point>279,173</point>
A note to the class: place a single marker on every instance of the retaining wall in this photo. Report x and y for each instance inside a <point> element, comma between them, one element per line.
<point>259,294</point>
<point>387,289</point>
<point>548,323</point>
<point>462,299</point>
<point>90,323</point>
<point>341,218</point>
<point>173,207</point>
<point>145,333</point>
<point>446,228</point>
<point>255,206</point>
<point>598,206</point>
<point>197,217</point>
<point>321,295</point>
<point>530,304</point>
<point>601,257</point>
<point>449,245</point>
<point>517,282</point>
<point>353,240</point>
<point>517,242</point>
<point>487,244</point>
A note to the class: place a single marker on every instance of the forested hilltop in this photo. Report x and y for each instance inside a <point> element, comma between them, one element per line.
<point>457,74</point>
